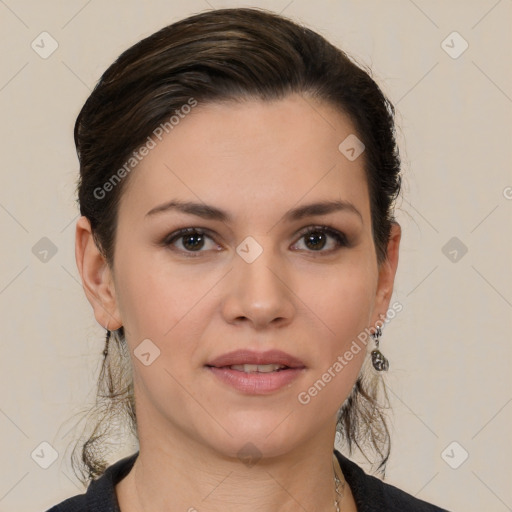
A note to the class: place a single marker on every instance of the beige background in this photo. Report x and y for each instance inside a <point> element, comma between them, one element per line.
<point>450,347</point>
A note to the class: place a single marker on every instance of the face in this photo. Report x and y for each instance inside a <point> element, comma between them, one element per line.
<point>265,272</point>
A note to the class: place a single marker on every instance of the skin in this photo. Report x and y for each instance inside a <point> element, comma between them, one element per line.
<point>256,160</point>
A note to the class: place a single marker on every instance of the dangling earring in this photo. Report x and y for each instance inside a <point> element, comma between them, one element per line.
<point>107,340</point>
<point>379,362</point>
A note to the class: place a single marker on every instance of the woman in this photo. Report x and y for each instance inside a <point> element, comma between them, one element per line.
<point>237,181</point>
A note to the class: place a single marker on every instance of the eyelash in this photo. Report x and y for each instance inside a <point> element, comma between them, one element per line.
<point>339,237</point>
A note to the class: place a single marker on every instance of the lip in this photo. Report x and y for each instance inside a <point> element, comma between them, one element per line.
<point>256,383</point>
<point>253,357</point>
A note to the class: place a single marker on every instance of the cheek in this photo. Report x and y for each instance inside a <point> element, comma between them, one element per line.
<point>342,299</point>
<point>155,299</point>
<point>342,311</point>
<point>162,302</point>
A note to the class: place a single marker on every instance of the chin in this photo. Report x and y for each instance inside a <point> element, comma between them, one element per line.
<point>257,435</point>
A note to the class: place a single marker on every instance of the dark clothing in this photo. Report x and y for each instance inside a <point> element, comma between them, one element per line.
<point>370,493</point>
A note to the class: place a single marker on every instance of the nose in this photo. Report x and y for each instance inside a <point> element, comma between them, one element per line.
<point>259,292</point>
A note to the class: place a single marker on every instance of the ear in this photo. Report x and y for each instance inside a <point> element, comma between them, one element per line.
<point>97,279</point>
<point>387,272</point>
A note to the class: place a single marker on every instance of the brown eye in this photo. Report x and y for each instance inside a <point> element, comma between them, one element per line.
<point>316,239</point>
<point>191,240</point>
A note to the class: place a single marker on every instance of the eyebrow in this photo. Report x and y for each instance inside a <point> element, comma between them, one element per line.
<point>206,211</point>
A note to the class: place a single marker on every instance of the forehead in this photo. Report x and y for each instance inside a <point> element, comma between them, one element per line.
<point>250,155</point>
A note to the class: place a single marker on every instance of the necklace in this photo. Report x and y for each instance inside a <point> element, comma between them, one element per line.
<point>338,484</point>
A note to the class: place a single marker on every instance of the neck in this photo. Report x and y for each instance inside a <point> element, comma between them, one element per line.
<point>182,475</point>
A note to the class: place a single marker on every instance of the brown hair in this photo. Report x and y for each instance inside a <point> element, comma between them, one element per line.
<point>224,55</point>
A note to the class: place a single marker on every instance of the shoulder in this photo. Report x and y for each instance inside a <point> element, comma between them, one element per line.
<point>372,494</point>
<point>100,495</point>
<point>74,504</point>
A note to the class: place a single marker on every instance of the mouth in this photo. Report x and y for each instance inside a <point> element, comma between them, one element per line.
<point>256,373</point>
<point>250,361</point>
<point>250,380</point>
<point>254,368</point>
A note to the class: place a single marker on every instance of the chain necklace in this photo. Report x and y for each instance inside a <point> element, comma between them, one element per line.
<point>339,491</point>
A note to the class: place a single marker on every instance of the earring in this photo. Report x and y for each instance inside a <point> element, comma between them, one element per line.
<point>107,340</point>
<point>379,362</point>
